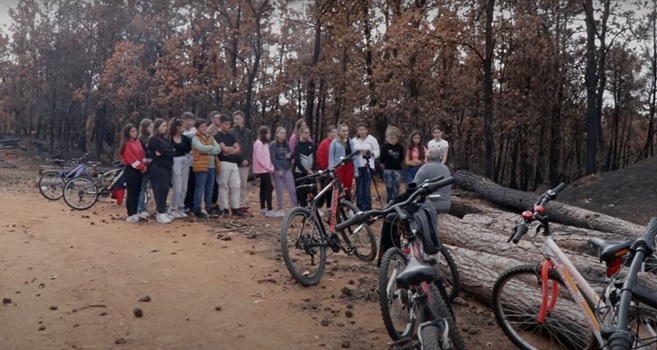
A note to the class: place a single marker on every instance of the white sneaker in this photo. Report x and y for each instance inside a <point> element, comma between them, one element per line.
<point>276,214</point>
<point>180,214</point>
<point>132,219</point>
<point>144,215</point>
<point>163,218</point>
<point>264,212</point>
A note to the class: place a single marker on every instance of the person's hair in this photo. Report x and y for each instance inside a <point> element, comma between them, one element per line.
<point>262,133</point>
<point>173,126</point>
<point>143,128</point>
<point>433,155</point>
<point>125,137</point>
<point>297,125</point>
<point>187,116</point>
<point>212,115</point>
<point>436,128</point>
<point>392,131</point>
<point>156,127</point>
<point>198,122</point>
<point>301,130</point>
<point>420,147</point>
<point>342,125</point>
<point>238,112</point>
<point>330,128</point>
<point>362,125</point>
<point>224,119</point>
<point>279,129</point>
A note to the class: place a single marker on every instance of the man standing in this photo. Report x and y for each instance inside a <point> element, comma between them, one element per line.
<point>229,177</point>
<point>213,128</point>
<point>369,151</point>
<point>244,137</point>
<point>188,119</point>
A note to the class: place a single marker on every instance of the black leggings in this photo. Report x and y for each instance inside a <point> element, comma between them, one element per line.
<point>161,181</point>
<point>133,179</point>
<point>266,189</point>
<point>324,181</point>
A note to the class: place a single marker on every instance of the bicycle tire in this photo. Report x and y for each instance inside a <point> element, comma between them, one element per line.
<point>385,300</point>
<point>80,186</point>
<point>454,278</point>
<point>429,338</point>
<point>439,306</point>
<point>54,177</point>
<point>533,273</point>
<point>289,263</point>
<point>350,232</point>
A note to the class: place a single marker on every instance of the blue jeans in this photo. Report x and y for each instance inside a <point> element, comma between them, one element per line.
<point>410,174</point>
<point>203,189</point>
<point>392,178</point>
<point>141,203</point>
<point>363,189</point>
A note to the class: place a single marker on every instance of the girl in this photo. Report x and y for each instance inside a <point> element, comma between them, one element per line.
<point>294,139</point>
<point>180,173</point>
<point>304,163</point>
<point>282,160</point>
<point>205,166</point>
<point>263,169</point>
<point>392,156</point>
<point>415,155</point>
<point>145,130</point>
<point>161,168</point>
<point>340,147</point>
<point>132,154</point>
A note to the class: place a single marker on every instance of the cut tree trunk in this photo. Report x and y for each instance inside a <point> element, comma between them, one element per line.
<point>558,212</point>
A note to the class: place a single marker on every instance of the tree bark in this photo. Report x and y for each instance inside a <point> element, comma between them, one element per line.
<point>591,83</point>
<point>559,212</point>
<point>488,91</point>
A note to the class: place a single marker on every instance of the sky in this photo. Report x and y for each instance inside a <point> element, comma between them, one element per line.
<point>5,20</point>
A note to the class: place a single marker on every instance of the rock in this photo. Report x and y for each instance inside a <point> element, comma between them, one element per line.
<point>6,301</point>
<point>103,314</point>
<point>138,312</point>
<point>120,341</point>
<point>325,322</point>
<point>217,308</point>
<point>53,308</point>
<point>145,299</point>
<point>352,282</point>
<point>348,314</point>
<point>346,344</point>
<point>470,329</point>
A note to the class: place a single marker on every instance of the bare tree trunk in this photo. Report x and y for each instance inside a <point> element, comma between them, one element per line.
<point>488,92</point>
<point>591,84</point>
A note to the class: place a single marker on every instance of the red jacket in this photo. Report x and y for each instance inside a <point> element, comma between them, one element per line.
<point>323,153</point>
<point>133,155</point>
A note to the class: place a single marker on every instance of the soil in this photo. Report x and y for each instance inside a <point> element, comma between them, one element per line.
<point>74,280</point>
<point>628,193</point>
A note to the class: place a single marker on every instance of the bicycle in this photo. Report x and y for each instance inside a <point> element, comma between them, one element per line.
<point>415,283</point>
<point>81,193</point>
<point>318,238</point>
<point>51,182</point>
<point>545,321</point>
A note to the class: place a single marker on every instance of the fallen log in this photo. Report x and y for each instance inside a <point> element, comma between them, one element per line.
<point>558,212</point>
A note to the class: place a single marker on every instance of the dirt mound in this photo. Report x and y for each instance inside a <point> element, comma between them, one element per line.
<point>628,193</point>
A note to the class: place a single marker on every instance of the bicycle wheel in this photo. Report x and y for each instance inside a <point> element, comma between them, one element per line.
<point>517,298</point>
<point>451,273</point>
<point>51,185</point>
<point>80,193</point>
<point>302,249</point>
<point>360,238</point>
<point>452,340</point>
<point>396,307</point>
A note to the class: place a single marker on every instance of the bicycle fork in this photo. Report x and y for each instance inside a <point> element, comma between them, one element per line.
<point>549,289</point>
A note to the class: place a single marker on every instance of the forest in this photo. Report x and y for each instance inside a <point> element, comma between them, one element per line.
<point>528,93</point>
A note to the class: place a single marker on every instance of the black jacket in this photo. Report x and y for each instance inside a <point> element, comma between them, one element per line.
<point>166,150</point>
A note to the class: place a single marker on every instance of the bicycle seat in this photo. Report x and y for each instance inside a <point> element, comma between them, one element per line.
<point>415,273</point>
<point>608,250</point>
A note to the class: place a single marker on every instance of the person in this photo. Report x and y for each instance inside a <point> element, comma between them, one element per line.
<point>343,146</point>
<point>180,174</point>
<point>205,165</point>
<point>161,168</point>
<point>229,176</point>
<point>439,143</point>
<point>323,162</point>
<point>432,169</point>
<point>263,169</point>
<point>213,128</point>
<point>132,154</point>
<point>145,131</point>
<point>368,148</point>
<point>392,156</point>
<point>244,137</point>
<point>282,160</point>
<point>415,155</point>
<point>294,138</point>
<point>304,164</point>
<point>189,130</point>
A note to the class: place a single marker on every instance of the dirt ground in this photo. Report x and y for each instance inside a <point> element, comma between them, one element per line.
<point>74,279</point>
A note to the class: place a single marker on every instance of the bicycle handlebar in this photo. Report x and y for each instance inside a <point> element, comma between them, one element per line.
<point>535,213</point>
<point>427,187</point>
<point>327,171</point>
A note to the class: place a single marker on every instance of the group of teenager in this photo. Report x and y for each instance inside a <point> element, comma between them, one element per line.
<point>207,164</point>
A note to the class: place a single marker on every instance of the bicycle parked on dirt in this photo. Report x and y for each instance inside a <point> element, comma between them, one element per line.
<point>51,182</point>
<point>82,193</point>
<point>411,279</point>
<point>535,311</point>
<point>308,244</point>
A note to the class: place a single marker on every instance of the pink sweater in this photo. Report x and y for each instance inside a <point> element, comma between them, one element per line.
<point>261,158</point>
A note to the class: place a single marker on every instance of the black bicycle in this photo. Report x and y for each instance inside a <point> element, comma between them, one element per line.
<point>415,284</point>
<point>304,236</point>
